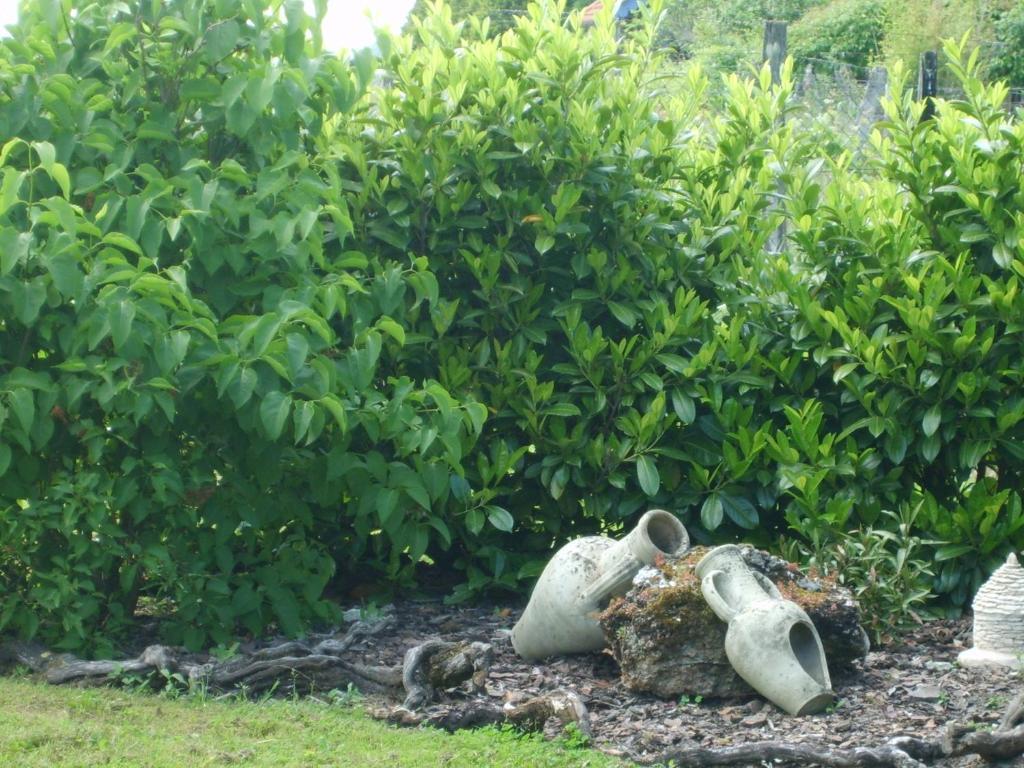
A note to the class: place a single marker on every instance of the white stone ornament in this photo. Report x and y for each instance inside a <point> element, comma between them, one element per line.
<point>999,620</point>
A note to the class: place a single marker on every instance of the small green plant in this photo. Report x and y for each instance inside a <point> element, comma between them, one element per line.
<point>690,701</point>
<point>224,652</point>
<point>174,685</point>
<point>370,611</point>
<point>133,681</point>
<point>995,702</point>
<point>349,697</point>
<point>887,570</point>
<point>20,671</point>
<point>835,706</point>
<point>573,737</point>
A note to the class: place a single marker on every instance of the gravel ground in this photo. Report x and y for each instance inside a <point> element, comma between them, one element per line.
<point>911,687</point>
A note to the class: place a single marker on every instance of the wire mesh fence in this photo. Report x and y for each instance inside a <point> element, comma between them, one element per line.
<point>837,97</point>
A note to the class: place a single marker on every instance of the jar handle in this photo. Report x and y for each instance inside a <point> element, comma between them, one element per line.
<point>714,599</point>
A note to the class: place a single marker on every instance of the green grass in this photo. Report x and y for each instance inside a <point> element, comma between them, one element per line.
<point>47,726</point>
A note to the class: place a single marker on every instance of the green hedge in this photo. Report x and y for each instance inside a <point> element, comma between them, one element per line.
<point>262,336</point>
<point>1004,54</point>
<point>191,401</point>
<point>849,31</point>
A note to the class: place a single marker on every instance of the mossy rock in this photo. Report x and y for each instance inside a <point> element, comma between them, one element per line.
<point>668,641</point>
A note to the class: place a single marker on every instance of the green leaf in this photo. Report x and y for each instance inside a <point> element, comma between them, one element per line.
<point>10,189</point>
<point>119,33</point>
<point>28,299</point>
<point>67,277</point>
<point>297,350</point>
<point>442,529</point>
<point>274,412</point>
<point>303,417</point>
<point>1002,255</point>
<point>170,349</point>
<point>240,390</point>
<point>156,131</point>
<point>166,404</point>
<point>647,474</point>
<point>334,405</point>
<point>265,330</point>
<point>460,488</point>
<point>740,511</point>
<point>559,479</point>
<point>499,517</point>
<point>420,542</point>
<point>932,419</point>
<point>286,611</point>
<point>543,243</point>
<point>60,175</point>
<point>220,40</point>
<point>417,492</point>
<point>711,512</point>
<point>5,458</point>
<point>474,521</point>
<point>387,503</point>
<point>974,233</point>
<point>392,329</point>
<point>565,410</point>
<point>9,146</point>
<point>121,315</point>
<point>24,407</point>
<point>896,447</point>
<point>122,241</point>
<point>674,363</point>
<point>684,407</point>
<point>47,154</point>
<point>13,248</point>
<point>843,371</point>
<point>477,413</point>
<point>952,551</point>
<point>623,314</point>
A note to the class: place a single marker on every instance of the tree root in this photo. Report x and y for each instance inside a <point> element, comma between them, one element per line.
<point>436,664</point>
<point>1006,741</point>
<point>531,715</point>
<point>289,666</point>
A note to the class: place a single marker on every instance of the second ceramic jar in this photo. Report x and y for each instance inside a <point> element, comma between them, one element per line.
<point>770,642</point>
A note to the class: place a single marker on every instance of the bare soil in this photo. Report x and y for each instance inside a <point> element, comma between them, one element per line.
<point>910,687</point>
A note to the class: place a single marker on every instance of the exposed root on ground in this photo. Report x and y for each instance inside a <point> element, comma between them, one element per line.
<point>531,715</point>
<point>288,666</point>
<point>1006,741</point>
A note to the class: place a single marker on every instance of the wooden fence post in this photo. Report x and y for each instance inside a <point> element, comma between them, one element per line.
<point>871,106</point>
<point>928,82</point>
<point>774,52</point>
<point>774,49</point>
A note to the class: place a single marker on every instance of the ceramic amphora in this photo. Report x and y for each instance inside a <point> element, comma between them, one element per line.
<point>580,580</point>
<point>770,642</point>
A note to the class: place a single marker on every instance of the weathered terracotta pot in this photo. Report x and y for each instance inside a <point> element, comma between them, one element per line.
<point>770,642</point>
<point>580,580</point>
